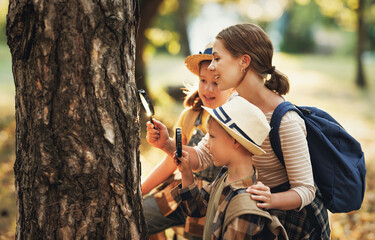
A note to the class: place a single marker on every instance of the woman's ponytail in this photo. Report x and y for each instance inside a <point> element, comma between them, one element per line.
<point>278,82</point>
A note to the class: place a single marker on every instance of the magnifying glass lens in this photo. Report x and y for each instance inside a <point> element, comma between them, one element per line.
<point>145,105</point>
<point>146,102</point>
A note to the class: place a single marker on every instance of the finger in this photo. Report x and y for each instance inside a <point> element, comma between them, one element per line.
<point>260,187</point>
<point>174,156</point>
<point>262,198</point>
<point>260,193</point>
<point>158,124</point>
<point>152,139</point>
<point>149,124</point>
<point>185,154</point>
<point>155,136</point>
<point>152,132</point>
<point>263,205</point>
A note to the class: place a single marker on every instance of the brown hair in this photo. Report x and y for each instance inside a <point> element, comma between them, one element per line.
<point>250,39</point>
<point>209,121</point>
<point>192,98</point>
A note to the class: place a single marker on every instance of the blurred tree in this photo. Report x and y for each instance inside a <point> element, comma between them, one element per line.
<point>3,10</point>
<point>370,26</point>
<point>360,78</point>
<point>147,14</point>
<point>298,21</point>
<point>182,15</point>
<point>350,14</point>
<point>77,170</point>
<point>163,27</point>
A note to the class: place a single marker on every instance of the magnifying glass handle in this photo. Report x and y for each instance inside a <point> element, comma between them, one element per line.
<point>152,122</point>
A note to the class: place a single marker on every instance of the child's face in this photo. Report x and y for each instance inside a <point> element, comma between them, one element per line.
<point>226,67</point>
<point>220,144</point>
<point>208,89</point>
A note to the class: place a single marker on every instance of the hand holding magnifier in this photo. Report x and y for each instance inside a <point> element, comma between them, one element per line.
<point>147,104</point>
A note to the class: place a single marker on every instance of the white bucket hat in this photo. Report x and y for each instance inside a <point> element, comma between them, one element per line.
<point>244,122</point>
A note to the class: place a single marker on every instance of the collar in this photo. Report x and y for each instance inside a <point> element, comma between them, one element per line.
<point>244,183</point>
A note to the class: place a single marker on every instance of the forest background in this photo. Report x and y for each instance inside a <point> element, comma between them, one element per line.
<point>322,45</point>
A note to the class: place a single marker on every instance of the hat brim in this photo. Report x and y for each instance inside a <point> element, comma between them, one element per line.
<point>192,62</point>
<point>251,147</point>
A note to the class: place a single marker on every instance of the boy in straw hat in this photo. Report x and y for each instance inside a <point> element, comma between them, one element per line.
<point>236,131</point>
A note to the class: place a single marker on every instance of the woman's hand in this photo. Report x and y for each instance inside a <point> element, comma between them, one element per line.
<point>262,194</point>
<point>157,135</point>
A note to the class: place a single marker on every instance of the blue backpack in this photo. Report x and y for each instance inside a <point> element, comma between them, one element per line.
<point>336,157</point>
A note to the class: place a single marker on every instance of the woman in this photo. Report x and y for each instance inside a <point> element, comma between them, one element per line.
<point>242,59</point>
<point>160,211</point>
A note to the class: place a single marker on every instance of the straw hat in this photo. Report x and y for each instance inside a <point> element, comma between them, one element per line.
<point>192,61</point>
<point>244,122</point>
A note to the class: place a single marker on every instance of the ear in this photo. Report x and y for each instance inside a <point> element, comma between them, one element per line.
<point>236,144</point>
<point>245,61</point>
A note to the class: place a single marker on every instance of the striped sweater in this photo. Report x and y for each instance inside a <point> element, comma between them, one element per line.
<point>271,172</point>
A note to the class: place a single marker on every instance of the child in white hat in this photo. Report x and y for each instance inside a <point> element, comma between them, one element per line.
<point>236,131</point>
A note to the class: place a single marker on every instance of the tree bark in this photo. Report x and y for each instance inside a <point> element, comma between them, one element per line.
<point>360,78</point>
<point>77,169</point>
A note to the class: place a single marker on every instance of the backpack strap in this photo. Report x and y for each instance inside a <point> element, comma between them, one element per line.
<point>277,115</point>
<point>188,123</point>
<point>241,204</point>
<point>198,122</point>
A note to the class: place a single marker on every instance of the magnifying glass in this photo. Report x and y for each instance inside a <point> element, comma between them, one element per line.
<point>147,104</point>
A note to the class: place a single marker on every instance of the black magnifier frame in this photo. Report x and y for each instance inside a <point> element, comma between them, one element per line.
<point>178,144</point>
<point>147,104</point>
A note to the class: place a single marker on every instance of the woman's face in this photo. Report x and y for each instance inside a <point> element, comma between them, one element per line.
<point>225,67</point>
<point>208,89</point>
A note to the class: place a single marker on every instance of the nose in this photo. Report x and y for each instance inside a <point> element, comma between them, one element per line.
<point>211,67</point>
<point>207,145</point>
<point>210,87</point>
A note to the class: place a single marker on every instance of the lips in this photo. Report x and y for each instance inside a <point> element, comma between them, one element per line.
<point>209,98</point>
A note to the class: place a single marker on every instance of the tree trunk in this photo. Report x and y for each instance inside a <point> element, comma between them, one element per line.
<point>77,170</point>
<point>360,78</point>
<point>182,26</point>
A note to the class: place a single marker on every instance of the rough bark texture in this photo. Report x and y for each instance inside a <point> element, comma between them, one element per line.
<point>77,161</point>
